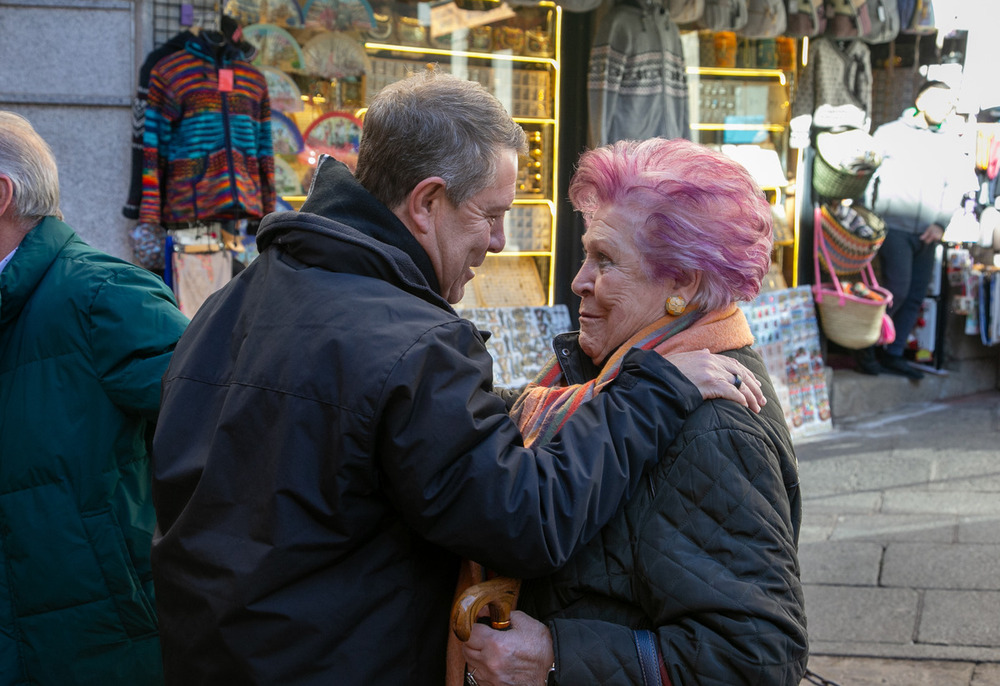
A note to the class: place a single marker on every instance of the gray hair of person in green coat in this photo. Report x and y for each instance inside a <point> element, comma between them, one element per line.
<point>29,180</point>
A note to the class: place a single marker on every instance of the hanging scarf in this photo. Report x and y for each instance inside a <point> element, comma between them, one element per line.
<point>548,402</point>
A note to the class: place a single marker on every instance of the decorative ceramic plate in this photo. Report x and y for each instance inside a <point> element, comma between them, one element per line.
<point>282,90</point>
<point>337,134</point>
<point>281,12</point>
<point>285,136</point>
<point>275,47</point>
<point>335,55</point>
<point>339,14</point>
<point>286,180</point>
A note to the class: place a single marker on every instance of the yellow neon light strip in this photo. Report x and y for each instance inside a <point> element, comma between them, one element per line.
<point>736,127</point>
<point>555,153</point>
<point>741,73</point>
<point>461,53</point>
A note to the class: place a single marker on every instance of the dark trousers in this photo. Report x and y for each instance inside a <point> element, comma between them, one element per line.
<point>907,267</point>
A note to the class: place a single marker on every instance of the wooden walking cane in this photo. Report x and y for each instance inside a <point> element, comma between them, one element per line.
<point>499,595</point>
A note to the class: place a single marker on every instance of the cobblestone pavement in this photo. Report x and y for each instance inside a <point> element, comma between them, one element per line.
<point>900,546</point>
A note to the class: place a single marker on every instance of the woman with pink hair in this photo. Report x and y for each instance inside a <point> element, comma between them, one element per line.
<point>696,579</point>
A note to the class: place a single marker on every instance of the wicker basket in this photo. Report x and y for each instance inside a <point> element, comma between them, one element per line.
<point>831,181</point>
<point>848,320</point>
<point>849,253</point>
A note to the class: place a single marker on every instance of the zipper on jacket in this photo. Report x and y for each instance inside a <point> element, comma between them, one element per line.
<point>228,135</point>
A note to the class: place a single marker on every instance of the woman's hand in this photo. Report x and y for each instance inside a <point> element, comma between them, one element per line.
<point>520,656</point>
<point>718,376</point>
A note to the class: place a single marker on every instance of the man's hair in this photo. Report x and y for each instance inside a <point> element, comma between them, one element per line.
<point>28,161</point>
<point>434,124</point>
<point>693,209</point>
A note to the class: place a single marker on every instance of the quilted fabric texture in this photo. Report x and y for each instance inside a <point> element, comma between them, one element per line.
<point>705,556</point>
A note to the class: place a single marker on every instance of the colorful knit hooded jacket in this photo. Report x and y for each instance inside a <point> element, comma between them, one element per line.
<point>207,152</point>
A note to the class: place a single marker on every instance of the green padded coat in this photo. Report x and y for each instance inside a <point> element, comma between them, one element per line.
<point>84,341</point>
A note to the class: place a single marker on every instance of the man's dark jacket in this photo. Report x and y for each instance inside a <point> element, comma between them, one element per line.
<point>329,445</point>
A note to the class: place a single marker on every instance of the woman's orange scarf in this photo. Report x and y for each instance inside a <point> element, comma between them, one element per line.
<point>548,402</point>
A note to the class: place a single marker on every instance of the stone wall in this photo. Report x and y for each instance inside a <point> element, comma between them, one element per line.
<point>70,67</point>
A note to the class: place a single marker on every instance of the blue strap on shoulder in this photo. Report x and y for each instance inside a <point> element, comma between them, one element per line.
<point>649,657</point>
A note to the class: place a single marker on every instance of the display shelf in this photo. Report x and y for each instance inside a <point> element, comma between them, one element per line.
<point>512,52</point>
<point>749,108</point>
<point>738,101</point>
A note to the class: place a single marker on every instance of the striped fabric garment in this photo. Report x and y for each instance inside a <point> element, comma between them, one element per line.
<point>547,403</point>
<point>207,152</point>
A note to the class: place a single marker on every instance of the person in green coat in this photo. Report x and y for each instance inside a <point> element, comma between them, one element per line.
<point>84,341</point>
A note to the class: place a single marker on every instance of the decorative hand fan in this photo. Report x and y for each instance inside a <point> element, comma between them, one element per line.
<point>335,55</point>
<point>282,91</point>
<point>275,47</point>
<point>286,180</point>
<point>285,136</point>
<point>339,14</point>
<point>337,134</point>
<point>283,12</point>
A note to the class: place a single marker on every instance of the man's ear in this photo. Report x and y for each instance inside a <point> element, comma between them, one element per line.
<point>422,203</point>
<point>6,194</point>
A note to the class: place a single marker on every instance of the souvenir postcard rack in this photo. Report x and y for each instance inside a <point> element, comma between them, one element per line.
<point>325,59</point>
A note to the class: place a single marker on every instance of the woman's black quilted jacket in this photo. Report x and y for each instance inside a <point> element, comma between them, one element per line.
<point>705,556</point>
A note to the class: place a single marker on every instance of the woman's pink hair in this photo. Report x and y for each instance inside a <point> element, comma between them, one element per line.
<point>696,210</point>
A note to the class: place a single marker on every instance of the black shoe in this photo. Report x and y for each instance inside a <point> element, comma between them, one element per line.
<point>896,364</point>
<point>867,364</point>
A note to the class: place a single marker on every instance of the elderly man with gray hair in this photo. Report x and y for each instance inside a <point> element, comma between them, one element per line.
<point>84,340</point>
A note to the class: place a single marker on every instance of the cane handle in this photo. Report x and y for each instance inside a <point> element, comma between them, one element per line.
<point>499,595</point>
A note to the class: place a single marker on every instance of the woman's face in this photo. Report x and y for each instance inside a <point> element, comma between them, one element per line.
<point>618,299</point>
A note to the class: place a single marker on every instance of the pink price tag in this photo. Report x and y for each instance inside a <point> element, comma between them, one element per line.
<point>225,80</point>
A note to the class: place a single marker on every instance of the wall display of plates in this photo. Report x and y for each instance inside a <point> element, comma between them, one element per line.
<point>335,55</point>
<point>338,15</point>
<point>337,134</point>
<point>286,179</point>
<point>282,90</point>
<point>281,12</point>
<point>275,47</point>
<point>285,136</point>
